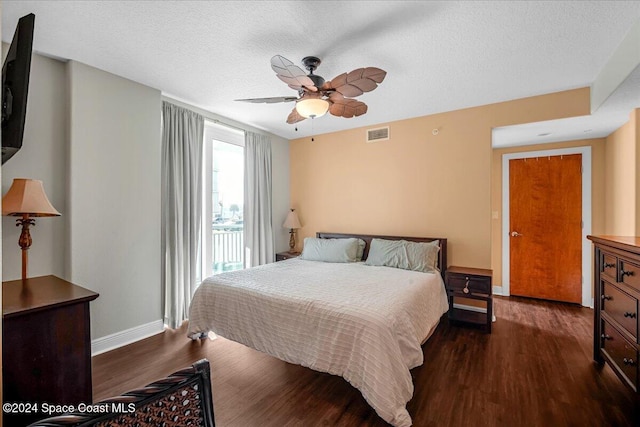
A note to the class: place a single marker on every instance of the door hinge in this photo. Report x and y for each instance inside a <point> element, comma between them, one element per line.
<point>581,224</point>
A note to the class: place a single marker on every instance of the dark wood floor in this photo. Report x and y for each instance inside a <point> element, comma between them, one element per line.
<point>535,369</point>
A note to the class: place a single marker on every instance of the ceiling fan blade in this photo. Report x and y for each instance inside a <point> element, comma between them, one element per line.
<point>358,81</point>
<point>271,100</point>
<point>336,97</point>
<point>347,107</point>
<point>375,74</point>
<point>291,74</point>
<point>294,117</point>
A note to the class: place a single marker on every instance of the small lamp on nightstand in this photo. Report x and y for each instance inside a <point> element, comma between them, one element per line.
<point>26,198</point>
<point>292,223</point>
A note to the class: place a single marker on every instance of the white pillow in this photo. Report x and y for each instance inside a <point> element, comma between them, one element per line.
<point>330,250</point>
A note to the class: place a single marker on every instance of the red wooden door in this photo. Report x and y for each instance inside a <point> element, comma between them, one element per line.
<point>545,217</point>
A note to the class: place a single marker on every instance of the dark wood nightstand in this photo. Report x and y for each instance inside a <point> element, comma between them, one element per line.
<point>281,256</point>
<point>474,284</point>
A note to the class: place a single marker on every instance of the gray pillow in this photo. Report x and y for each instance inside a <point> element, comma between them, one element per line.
<point>415,256</point>
<point>330,250</point>
<point>423,256</point>
<point>389,253</point>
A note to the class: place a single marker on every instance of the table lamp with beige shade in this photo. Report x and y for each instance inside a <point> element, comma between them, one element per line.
<point>292,223</point>
<point>26,199</point>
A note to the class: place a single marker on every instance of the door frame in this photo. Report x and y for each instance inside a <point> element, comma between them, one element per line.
<point>586,215</point>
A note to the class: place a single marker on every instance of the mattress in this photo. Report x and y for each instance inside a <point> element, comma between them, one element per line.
<point>364,323</point>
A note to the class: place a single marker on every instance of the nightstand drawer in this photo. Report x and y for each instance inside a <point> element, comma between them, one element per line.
<point>620,307</point>
<point>473,284</point>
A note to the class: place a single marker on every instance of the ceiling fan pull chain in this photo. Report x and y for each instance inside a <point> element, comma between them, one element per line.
<point>312,132</point>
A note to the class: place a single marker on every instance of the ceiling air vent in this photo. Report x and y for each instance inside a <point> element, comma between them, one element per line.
<point>379,134</point>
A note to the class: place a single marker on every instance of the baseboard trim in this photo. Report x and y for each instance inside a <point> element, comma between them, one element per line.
<point>497,290</point>
<point>119,339</point>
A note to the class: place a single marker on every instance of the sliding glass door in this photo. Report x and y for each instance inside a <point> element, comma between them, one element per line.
<point>223,199</point>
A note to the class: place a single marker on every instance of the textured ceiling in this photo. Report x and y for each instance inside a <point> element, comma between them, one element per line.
<point>440,56</point>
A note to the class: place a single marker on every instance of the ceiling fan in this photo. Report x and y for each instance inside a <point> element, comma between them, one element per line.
<point>316,96</point>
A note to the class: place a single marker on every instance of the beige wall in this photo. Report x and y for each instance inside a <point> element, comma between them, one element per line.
<point>622,178</point>
<point>597,192</point>
<point>416,183</point>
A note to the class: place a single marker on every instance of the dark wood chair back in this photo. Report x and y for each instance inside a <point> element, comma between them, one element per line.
<point>182,399</point>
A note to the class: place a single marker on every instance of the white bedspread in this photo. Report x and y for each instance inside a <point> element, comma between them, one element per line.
<point>361,322</point>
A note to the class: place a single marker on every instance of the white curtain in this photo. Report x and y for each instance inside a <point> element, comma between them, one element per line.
<point>182,148</point>
<point>258,233</point>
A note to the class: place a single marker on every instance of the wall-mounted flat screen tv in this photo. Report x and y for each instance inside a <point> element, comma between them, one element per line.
<point>15,87</point>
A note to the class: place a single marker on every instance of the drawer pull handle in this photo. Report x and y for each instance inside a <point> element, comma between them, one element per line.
<point>606,297</point>
<point>466,286</point>
<point>629,314</point>
<point>626,273</point>
<point>606,337</point>
<point>628,362</point>
<point>607,265</point>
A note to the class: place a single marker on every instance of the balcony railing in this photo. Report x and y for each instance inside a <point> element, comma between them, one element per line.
<point>228,247</point>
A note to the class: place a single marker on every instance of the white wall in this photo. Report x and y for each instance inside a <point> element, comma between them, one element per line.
<point>113,201</point>
<point>43,157</point>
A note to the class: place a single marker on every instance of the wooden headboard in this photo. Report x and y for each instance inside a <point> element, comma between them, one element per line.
<point>442,254</point>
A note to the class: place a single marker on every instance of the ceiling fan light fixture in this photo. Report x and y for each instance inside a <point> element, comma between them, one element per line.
<point>312,107</point>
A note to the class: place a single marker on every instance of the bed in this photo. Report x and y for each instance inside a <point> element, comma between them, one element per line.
<point>365,323</point>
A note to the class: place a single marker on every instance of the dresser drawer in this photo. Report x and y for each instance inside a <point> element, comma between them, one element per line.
<point>621,307</point>
<point>475,284</point>
<point>609,265</point>
<point>622,353</point>
<point>630,274</point>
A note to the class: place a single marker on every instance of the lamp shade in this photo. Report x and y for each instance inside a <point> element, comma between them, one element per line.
<point>292,220</point>
<point>27,197</point>
<point>312,107</point>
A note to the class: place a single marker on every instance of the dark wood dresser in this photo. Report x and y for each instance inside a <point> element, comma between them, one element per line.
<point>46,348</point>
<point>617,292</point>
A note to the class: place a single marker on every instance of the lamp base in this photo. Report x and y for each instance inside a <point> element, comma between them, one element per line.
<point>25,240</point>
<point>292,240</point>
